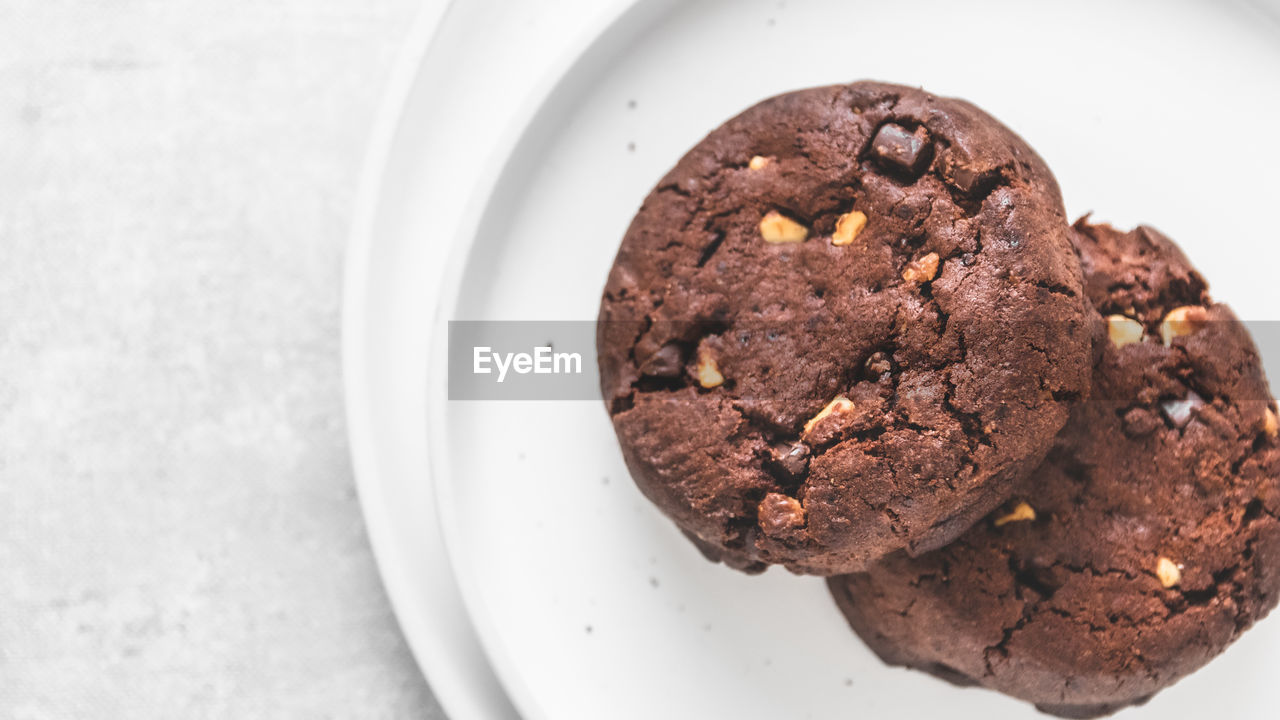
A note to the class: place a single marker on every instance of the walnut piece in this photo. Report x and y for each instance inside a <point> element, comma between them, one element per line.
<point>1123,330</point>
<point>848,227</point>
<point>921,270</point>
<point>1022,512</point>
<point>778,228</point>
<point>780,515</point>
<point>759,162</point>
<point>1182,321</point>
<point>708,372</point>
<point>840,405</point>
<point>1169,572</point>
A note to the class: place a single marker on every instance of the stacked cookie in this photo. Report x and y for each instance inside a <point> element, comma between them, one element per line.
<point>852,333</point>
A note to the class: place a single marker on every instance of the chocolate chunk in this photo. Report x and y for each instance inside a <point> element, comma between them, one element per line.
<point>970,179</point>
<point>902,151</point>
<point>1180,411</point>
<point>792,461</point>
<point>668,362</point>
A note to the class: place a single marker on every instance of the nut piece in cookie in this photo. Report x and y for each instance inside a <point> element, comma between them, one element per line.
<point>922,269</point>
<point>1022,512</point>
<point>778,228</point>
<point>1123,330</point>
<point>708,371</point>
<point>759,162</point>
<point>1270,425</point>
<point>1182,321</point>
<point>848,227</point>
<point>1169,572</point>
<point>781,515</point>
<point>837,407</point>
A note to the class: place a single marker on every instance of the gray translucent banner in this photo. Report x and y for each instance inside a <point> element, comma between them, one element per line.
<point>556,360</point>
<point>523,360</point>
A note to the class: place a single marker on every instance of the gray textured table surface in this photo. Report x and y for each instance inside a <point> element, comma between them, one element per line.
<point>179,532</point>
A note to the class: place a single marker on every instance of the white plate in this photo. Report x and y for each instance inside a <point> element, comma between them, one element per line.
<point>433,139</point>
<point>588,603</point>
<point>382,360</point>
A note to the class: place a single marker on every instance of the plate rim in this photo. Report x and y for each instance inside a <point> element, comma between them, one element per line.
<point>557,77</point>
<point>462,692</point>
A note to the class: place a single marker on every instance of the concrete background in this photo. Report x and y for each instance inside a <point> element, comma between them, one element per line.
<point>179,532</point>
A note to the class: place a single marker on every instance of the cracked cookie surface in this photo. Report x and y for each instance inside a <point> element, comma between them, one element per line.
<point>843,325</point>
<point>1147,541</point>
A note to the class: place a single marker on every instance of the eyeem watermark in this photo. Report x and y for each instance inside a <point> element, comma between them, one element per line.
<point>542,361</point>
<point>523,360</point>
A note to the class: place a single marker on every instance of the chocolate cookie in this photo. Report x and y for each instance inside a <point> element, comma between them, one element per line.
<point>844,324</point>
<point>1146,542</point>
